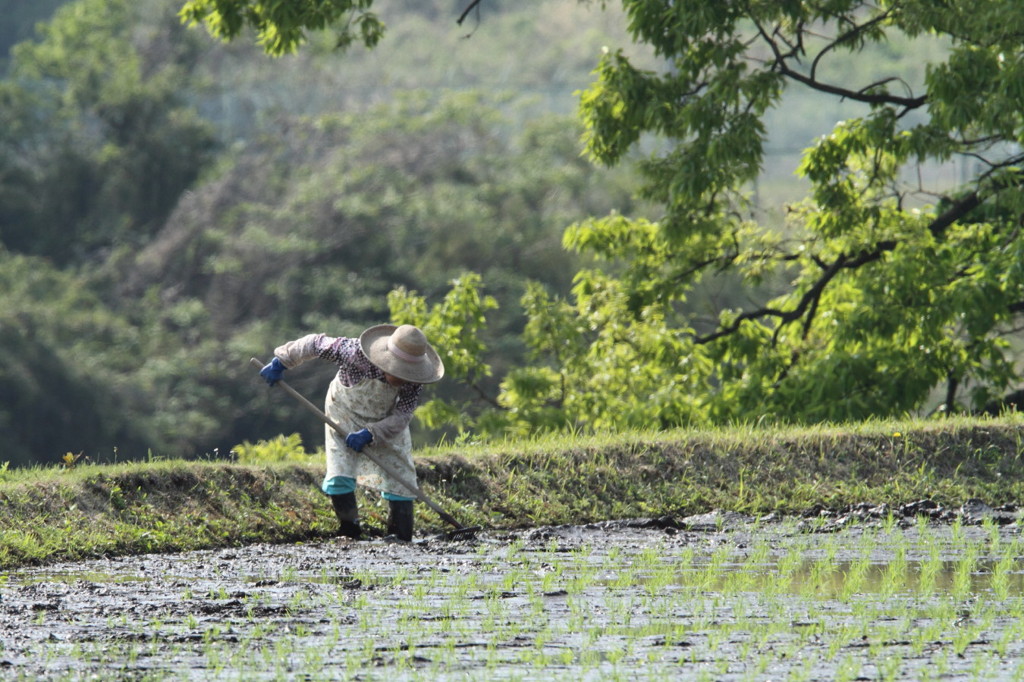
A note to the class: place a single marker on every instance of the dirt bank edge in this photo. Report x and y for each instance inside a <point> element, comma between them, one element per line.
<point>94,510</point>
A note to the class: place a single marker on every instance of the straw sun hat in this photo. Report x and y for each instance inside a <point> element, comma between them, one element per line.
<point>402,352</point>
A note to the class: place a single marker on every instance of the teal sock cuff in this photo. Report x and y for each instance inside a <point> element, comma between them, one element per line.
<point>391,497</point>
<point>339,485</point>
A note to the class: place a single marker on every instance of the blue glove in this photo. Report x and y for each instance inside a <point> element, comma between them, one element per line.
<point>273,371</point>
<point>357,440</point>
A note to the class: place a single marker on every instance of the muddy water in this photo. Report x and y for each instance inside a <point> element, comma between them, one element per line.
<point>736,600</point>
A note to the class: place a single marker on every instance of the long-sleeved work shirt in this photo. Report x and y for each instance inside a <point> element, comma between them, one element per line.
<point>353,368</point>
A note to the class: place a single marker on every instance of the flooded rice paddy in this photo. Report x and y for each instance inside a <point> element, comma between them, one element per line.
<point>720,598</point>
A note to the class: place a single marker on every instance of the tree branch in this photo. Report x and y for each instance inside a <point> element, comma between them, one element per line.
<point>812,82</point>
<point>855,95</point>
<point>810,298</point>
<point>473,5</point>
<point>952,385</point>
<point>493,402</point>
<point>849,35</point>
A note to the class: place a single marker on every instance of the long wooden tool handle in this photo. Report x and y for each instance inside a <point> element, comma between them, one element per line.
<point>448,518</point>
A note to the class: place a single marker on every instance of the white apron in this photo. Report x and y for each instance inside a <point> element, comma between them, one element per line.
<point>352,408</point>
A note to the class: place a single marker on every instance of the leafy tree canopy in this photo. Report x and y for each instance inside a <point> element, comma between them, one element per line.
<point>96,141</point>
<point>281,26</point>
<point>881,289</point>
<point>895,286</point>
<point>888,288</point>
<point>184,205</point>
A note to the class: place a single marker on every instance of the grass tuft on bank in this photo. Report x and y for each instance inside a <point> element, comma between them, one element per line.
<point>271,492</point>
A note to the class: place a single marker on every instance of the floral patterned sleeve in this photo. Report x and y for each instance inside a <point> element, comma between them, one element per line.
<point>353,366</point>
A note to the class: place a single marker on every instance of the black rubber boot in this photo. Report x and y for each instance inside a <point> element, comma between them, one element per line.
<point>347,511</point>
<point>400,519</point>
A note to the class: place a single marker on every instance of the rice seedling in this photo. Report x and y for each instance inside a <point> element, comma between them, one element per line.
<point>883,602</point>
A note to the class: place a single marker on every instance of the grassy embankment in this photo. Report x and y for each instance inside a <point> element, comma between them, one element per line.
<point>55,513</point>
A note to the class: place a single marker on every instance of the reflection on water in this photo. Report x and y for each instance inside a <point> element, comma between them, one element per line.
<point>955,561</point>
<point>29,577</point>
<point>834,579</point>
<point>570,603</point>
<point>839,579</point>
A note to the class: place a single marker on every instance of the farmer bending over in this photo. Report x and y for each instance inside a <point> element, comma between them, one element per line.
<point>373,397</point>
